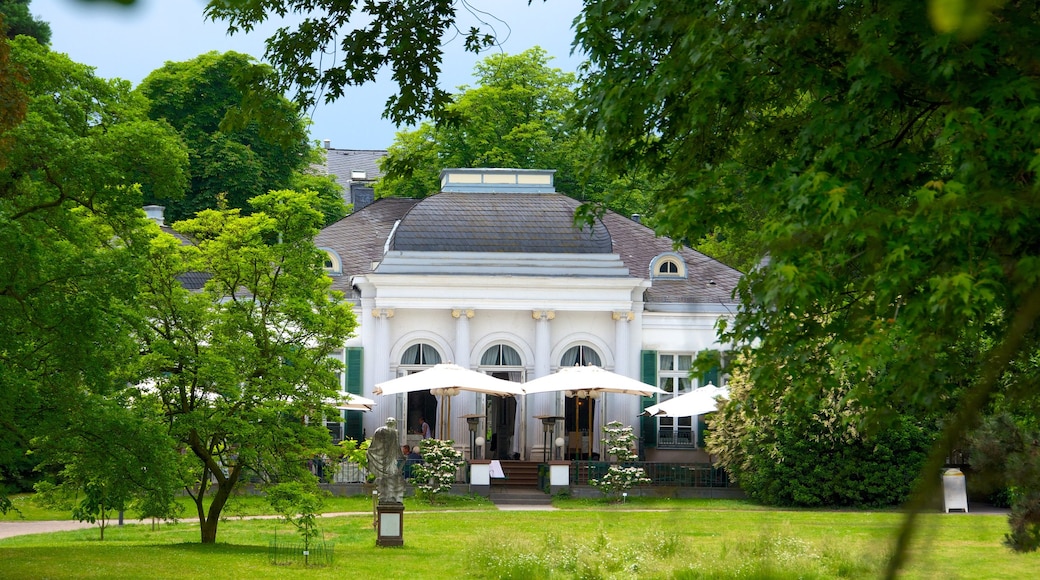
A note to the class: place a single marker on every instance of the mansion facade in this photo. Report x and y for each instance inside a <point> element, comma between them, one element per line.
<point>493,274</point>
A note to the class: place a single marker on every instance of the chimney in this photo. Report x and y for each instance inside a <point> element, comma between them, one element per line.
<point>328,143</point>
<point>155,212</point>
<point>637,218</point>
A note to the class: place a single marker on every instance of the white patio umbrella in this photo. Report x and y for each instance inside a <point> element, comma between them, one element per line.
<point>448,379</point>
<point>573,380</point>
<point>589,382</point>
<point>353,403</point>
<point>697,402</point>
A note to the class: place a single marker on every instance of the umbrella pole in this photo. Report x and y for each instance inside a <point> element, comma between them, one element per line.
<point>590,413</point>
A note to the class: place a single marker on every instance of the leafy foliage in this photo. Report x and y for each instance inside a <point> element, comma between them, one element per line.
<point>244,137</point>
<point>893,163</point>
<point>300,505</point>
<point>618,479</point>
<point>365,36</point>
<point>111,458</point>
<point>15,19</point>
<point>237,367</point>
<point>436,473</point>
<point>791,452</point>
<point>1004,453</point>
<point>76,151</point>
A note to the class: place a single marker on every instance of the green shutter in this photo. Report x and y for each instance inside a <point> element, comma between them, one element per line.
<point>709,376</point>
<point>649,375</point>
<point>354,426</point>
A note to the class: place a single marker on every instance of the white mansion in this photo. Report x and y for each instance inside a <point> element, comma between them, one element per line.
<point>493,274</point>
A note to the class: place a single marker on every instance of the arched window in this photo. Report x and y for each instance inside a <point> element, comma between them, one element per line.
<point>332,264</point>
<point>670,265</point>
<point>420,354</point>
<point>502,361</point>
<point>420,404</point>
<point>500,355</point>
<point>580,355</point>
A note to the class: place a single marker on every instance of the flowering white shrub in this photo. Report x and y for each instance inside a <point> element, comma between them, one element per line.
<point>618,439</point>
<point>436,473</point>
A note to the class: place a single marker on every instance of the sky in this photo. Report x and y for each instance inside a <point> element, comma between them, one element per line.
<point>129,43</point>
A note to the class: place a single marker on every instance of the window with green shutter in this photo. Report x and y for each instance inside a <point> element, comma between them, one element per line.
<point>354,425</point>
<point>648,371</point>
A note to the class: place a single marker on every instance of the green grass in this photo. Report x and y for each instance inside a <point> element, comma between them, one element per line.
<point>253,505</point>
<point>690,539</point>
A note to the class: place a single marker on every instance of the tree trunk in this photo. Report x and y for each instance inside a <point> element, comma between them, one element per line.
<point>208,524</point>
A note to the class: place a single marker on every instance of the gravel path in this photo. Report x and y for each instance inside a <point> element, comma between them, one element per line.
<point>21,528</point>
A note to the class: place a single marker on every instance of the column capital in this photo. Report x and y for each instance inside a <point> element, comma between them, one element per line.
<point>546,314</point>
<point>382,312</point>
<point>626,315</point>
<point>460,312</point>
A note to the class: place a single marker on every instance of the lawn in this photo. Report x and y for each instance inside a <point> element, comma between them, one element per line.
<point>251,505</point>
<point>682,539</point>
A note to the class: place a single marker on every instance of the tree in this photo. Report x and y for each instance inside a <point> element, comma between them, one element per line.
<point>299,505</point>
<point>897,160</point>
<point>18,20</point>
<point>241,369</point>
<point>244,138</point>
<point>328,193</point>
<point>78,151</point>
<point>406,36</point>
<point>516,116</point>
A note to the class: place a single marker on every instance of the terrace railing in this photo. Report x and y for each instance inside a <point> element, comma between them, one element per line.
<point>660,474</point>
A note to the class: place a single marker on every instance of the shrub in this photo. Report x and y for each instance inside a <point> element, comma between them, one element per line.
<point>619,478</point>
<point>811,452</point>
<point>436,473</point>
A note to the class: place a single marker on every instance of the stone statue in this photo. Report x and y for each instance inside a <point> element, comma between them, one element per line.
<point>384,459</point>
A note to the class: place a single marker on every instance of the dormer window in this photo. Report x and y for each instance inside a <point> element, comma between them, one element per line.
<point>332,264</point>
<point>670,265</point>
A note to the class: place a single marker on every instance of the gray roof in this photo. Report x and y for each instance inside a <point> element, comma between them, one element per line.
<point>343,162</point>
<point>499,222</point>
<point>449,223</point>
<point>358,239</point>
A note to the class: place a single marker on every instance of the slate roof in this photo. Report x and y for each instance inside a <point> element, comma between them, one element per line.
<point>192,281</point>
<point>499,222</point>
<point>529,223</point>
<point>341,162</point>
<point>708,280</point>
<point>358,239</point>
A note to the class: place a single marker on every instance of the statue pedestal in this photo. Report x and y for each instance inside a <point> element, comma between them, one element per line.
<point>390,524</point>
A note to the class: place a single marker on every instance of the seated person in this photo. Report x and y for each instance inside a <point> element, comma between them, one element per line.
<point>411,457</point>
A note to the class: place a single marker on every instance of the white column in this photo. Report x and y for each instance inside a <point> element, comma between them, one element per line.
<point>621,408</point>
<point>379,360</point>
<point>382,318</point>
<point>548,403</point>
<point>368,340</point>
<point>622,342</point>
<point>463,356</point>
<point>542,342</point>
